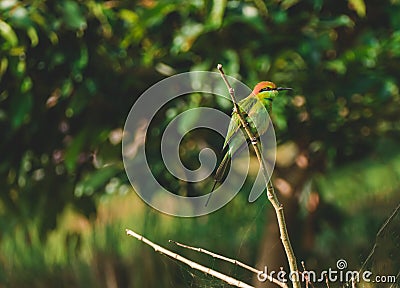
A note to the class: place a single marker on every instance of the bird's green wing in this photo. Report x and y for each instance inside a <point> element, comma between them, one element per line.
<point>235,124</point>
<point>235,143</point>
<point>259,118</point>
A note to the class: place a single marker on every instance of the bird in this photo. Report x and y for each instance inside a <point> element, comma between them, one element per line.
<point>251,108</point>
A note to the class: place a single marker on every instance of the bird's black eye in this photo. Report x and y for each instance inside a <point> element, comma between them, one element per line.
<point>266,89</point>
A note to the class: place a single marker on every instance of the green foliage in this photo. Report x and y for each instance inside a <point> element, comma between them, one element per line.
<point>70,71</point>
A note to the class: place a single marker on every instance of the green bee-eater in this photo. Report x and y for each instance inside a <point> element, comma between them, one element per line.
<point>251,108</point>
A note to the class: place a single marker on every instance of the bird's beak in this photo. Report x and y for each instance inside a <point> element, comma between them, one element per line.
<point>283,88</point>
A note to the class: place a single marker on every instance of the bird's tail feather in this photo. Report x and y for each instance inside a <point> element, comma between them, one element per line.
<point>219,175</point>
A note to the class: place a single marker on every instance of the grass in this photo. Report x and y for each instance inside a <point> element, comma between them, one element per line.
<point>83,252</point>
<point>97,253</point>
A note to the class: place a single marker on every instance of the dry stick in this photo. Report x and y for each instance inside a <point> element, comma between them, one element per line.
<point>270,189</point>
<point>327,281</point>
<point>233,261</point>
<point>353,283</point>
<point>192,264</point>
<point>387,222</point>
<point>305,275</point>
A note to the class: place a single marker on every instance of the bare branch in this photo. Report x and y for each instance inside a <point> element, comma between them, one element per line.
<point>233,261</point>
<point>192,264</point>
<point>305,275</point>
<point>387,222</point>
<point>327,281</point>
<point>353,283</point>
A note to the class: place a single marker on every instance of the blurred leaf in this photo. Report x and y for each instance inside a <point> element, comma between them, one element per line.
<point>217,14</point>
<point>33,36</point>
<point>72,15</point>
<point>20,16</point>
<point>73,150</point>
<point>67,87</point>
<point>8,33</point>
<point>26,85</point>
<point>286,4</point>
<point>185,38</point>
<point>232,59</point>
<point>78,104</point>
<point>358,6</point>
<point>342,20</point>
<point>3,66</point>
<point>337,66</point>
<point>83,59</point>
<point>280,17</point>
<point>96,180</point>
<point>20,108</point>
<point>7,4</point>
<point>136,31</point>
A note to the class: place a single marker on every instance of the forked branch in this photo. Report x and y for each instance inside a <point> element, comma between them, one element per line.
<point>192,264</point>
<point>233,261</point>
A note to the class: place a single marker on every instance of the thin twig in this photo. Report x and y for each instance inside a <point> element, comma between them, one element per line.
<point>383,227</point>
<point>387,222</point>
<point>233,261</point>
<point>306,275</point>
<point>327,281</point>
<point>192,264</point>
<point>353,283</point>
<point>270,189</point>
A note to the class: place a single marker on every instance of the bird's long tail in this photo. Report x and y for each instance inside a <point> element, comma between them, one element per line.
<point>219,174</point>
